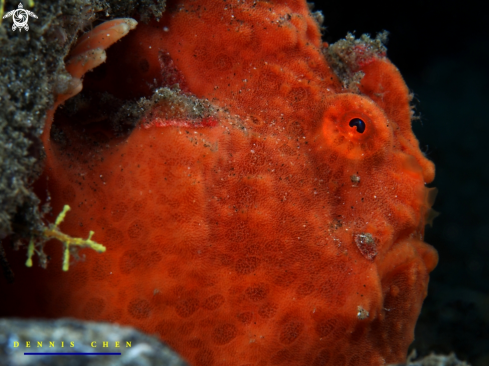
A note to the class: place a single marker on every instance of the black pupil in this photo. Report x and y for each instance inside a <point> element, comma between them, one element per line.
<point>359,124</point>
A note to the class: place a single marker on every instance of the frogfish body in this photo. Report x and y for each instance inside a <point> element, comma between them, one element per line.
<point>269,210</point>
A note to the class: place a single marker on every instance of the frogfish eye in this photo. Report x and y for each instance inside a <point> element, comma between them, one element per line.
<point>358,123</point>
<point>355,127</point>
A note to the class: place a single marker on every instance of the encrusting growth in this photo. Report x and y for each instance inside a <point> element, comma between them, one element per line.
<point>70,243</point>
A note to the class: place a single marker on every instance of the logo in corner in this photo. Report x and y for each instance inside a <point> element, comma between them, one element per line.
<point>20,17</point>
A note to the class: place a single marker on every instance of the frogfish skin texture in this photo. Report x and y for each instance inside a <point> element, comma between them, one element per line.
<point>284,228</point>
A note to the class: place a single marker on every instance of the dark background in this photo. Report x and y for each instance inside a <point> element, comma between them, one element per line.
<point>442,50</point>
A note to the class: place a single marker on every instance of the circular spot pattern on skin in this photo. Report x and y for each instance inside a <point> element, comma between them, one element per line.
<point>224,334</point>
<point>268,310</point>
<point>305,289</point>
<point>151,259</point>
<point>245,317</point>
<point>213,302</point>
<point>101,268</point>
<point>257,292</point>
<point>186,328</point>
<point>283,356</point>
<point>246,265</point>
<point>285,279</point>
<point>325,327</point>
<point>204,357</point>
<point>112,238</point>
<point>165,328</point>
<point>291,331</point>
<point>322,359</point>
<point>136,229</point>
<point>139,309</point>
<point>187,307</point>
<point>130,260</point>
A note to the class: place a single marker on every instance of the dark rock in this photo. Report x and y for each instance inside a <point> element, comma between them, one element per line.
<point>144,350</point>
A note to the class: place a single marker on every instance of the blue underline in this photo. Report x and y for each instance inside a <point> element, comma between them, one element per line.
<point>72,354</point>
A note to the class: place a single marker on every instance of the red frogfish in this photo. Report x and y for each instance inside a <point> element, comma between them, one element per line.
<point>267,210</point>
